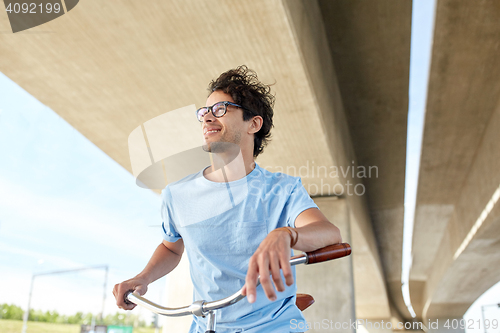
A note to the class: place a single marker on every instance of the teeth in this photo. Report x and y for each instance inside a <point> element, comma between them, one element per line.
<point>213,131</point>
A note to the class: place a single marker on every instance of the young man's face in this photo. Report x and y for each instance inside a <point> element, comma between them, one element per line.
<point>229,128</point>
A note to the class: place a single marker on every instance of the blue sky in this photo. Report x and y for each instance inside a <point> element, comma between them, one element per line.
<point>421,45</point>
<point>65,204</point>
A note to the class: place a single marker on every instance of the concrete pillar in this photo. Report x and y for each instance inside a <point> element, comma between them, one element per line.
<point>331,283</point>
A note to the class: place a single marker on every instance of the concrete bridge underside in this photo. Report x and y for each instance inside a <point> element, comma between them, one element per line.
<point>456,249</point>
<point>106,68</point>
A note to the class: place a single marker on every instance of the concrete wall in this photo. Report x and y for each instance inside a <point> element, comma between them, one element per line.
<point>456,236</point>
<point>330,283</point>
<point>309,29</point>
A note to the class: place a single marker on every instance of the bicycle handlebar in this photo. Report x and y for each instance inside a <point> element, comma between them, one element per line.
<point>328,253</point>
<point>202,308</point>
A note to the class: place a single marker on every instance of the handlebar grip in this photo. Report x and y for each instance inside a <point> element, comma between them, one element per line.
<point>329,252</point>
<point>125,297</point>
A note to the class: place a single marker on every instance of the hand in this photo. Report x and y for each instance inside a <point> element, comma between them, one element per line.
<point>273,253</point>
<point>136,284</point>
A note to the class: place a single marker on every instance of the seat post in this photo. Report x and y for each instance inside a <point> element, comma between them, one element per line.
<point>211,322</point>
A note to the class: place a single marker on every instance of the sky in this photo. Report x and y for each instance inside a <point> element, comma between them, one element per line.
<point>64,204</point>
<point>420,58</point>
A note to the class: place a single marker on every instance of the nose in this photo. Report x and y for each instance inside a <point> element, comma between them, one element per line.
<point>208,117</point>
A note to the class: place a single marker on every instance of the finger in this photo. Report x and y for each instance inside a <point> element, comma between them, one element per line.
<point>287,269</point>
<point>119,292</point>
<point>118,296</point>
<point>265,278</point>
<point>251,281</point>
<point>126,305</point>
<point>274,264</point>
<point>141,289</point>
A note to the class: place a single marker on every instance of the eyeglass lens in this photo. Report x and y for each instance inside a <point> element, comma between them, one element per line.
<point>218,110</point>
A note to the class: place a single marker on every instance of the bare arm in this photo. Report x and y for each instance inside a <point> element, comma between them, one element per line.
<point>165,258</point>
<point>315,231</point>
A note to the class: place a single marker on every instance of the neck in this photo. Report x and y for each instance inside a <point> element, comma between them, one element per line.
<point>230,165</point>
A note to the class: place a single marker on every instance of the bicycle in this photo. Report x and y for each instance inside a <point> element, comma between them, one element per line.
<point>202,308</point>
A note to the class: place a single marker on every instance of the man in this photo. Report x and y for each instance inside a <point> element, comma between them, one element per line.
<point>236,220</point>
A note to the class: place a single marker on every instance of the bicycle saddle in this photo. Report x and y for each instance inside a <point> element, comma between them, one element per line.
<point>304,301</point>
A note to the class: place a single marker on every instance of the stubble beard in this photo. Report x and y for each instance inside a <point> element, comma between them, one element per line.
<point>225,144</point>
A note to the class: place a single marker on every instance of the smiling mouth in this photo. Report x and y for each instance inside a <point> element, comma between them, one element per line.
<point>212,131</point>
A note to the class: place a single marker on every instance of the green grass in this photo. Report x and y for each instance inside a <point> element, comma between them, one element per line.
<point>143,330</point>
<point>15,326</point>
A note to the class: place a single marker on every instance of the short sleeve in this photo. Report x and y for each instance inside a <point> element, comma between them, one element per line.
<point>298,201</point>
<point>170,233</point>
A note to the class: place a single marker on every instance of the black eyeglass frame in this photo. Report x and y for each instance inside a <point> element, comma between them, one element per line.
<point>211,109</point>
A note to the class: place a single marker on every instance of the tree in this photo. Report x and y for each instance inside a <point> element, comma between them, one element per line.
<point>11,312</point>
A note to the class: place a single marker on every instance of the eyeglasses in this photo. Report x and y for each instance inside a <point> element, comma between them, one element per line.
<point>219,109</point>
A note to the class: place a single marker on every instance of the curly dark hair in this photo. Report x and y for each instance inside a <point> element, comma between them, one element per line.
<point>254,96</point>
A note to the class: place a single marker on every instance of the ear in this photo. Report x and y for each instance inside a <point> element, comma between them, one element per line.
<point>255,124</point>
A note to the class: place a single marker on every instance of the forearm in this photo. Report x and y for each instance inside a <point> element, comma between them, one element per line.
<point>316,235</point>
<point>162,262</point>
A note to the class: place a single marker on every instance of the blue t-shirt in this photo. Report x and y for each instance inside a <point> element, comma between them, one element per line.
<point>222,225</point>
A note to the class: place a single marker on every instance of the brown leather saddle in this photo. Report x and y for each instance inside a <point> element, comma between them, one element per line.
<point>304,301</point>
